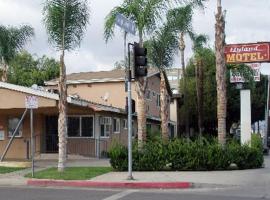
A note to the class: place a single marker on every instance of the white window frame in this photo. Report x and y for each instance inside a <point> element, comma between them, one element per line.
<point>118,124</point>
<point>20,128</point>
<point>80,131</point>
<point>106,121</point>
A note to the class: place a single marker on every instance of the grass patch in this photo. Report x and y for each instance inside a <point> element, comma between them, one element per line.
<point>71,173</point>
<point>4,170</point>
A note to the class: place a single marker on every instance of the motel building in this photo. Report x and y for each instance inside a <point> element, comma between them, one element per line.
<point>92,126</point>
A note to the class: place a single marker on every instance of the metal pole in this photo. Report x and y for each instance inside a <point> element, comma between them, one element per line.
<point>130,177</point>
<point>32,142</point>
<point>13,136</point>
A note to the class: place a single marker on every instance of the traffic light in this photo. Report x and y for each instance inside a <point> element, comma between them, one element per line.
<point>140,61</point>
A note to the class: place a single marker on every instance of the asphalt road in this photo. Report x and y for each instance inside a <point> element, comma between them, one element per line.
<point>26,193</point>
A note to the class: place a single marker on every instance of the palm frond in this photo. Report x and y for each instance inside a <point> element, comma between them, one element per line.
<point>66,21</point>
<point>180,19</point>
<point>162,47</point>
<point>13,39</point>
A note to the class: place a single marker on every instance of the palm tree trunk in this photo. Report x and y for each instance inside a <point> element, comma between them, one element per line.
<point>4,70</point>
<point>182,47</point>
<point>221,75</point>
<point>199,85</point>
<point>62,119</point>
<point>141,107</point>
<point>164,115</point>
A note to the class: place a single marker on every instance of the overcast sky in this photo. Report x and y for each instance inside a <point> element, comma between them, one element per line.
<point>246,21</point>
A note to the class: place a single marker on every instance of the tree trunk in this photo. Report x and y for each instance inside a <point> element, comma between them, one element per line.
<point>199,85</point>
<point>221,75</point>
<point>141,84</point>
<point>182,47</point>
<point>62,119</point>
<point>4,70</point>
<point>164,114</point>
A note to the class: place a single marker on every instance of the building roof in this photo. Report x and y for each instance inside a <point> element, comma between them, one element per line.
<point>71,100</point>
<point>115,75</point>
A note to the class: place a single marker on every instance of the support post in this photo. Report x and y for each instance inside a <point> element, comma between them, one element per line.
<point>245,116</point>
<point>32,142</point>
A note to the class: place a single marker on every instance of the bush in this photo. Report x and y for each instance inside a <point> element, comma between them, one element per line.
<point>118,157</point>
<point>185,154</point>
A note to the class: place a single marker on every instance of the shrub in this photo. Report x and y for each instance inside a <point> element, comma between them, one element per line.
<point>118,157</point>
<point>152,157</point>
<point>185,154</point>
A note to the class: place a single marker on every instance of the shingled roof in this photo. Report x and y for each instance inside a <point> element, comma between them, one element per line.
<point>100,76</point>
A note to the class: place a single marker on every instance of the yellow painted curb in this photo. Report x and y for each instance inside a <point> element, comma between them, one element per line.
<point>15,164</point>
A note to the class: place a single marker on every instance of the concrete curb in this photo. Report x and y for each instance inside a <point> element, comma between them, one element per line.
<point>96,184</point>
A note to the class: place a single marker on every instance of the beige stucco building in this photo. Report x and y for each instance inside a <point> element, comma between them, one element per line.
<point>96,114</point>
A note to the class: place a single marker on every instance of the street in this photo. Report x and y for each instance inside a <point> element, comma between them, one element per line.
<point>208,193</point>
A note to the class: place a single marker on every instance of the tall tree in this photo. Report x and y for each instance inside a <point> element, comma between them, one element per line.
<point>65,21</point>
<point>145,14</point>
<point>198,43</point>
<point>27,70</point>
<point>181,20</point>
<point>221,74</point>
<point>162,48</point>
<point>12,40</point>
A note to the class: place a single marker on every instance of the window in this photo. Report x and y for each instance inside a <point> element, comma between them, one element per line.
<point>154,94</point>
<point>12,124</point>
<point>105,126</point>
<point>148,94</point>
<point>116,125</point>
<point>125,124</point>
<point>87,126</point>
<point>158,100</point>
<point>80,126</point>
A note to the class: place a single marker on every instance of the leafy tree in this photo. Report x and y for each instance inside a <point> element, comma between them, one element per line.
<point>12,40</point>
<point>180,19</point>
<point>65,21</point>
<point>258,94</point>
<point>162,48</point>
<point>198,43</point>
<point>26,70</point>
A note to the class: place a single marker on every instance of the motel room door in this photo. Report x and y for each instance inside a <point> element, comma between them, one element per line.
<point>51,134</point>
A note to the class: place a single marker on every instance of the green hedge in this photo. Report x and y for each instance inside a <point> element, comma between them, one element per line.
<point>186,154</point>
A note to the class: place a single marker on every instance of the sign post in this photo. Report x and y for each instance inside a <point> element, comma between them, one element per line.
<point>31,102</point>
<point>129,27</point>
<point>246,53</point>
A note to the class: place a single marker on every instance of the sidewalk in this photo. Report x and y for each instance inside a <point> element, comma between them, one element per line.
<point>253,177</point>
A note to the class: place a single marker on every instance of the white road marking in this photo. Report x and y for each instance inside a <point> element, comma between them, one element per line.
<point>120,195</point>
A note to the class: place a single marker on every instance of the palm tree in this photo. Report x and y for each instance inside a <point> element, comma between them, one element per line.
<point>198,43</point>
<point>181,20</point>
<point>12,40</point>
<point>65,21</point>
<point>145,14</point>
<point>161,49</point>
<point>221,74</point>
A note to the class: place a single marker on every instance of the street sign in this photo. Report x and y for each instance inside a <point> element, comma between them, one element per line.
<point>247,53</point>
<point>31,102</point>
<point>126,24</point>
<point>236,77</point>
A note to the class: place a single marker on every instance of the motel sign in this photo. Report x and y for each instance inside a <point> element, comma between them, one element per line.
<point>247,53</point>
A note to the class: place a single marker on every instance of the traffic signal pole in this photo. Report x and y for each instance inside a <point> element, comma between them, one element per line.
<point>130,177</point>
